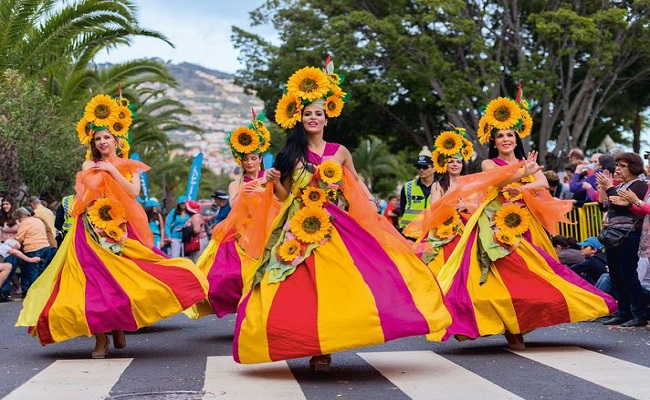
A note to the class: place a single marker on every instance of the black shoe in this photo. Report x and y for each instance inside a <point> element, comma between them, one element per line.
<point>616,321</point>
<point>634,322</point>
<point>4,298</point>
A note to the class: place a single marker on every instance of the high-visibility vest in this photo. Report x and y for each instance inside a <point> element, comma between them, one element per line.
<point>416,202</point>
<point>66,202</point>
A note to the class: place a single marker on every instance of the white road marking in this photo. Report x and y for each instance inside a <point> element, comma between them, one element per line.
<point>424,375</point>
<point>225,379</point>
<point>612,373</point>
<point>72,380</point>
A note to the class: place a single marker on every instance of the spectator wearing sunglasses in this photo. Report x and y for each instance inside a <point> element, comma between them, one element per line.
<point>416,194</point>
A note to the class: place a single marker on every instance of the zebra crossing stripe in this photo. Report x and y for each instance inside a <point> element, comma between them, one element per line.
<point>424,375</point>
<point>72,380</point>
<point>612,373</point>
<point>225,379</point>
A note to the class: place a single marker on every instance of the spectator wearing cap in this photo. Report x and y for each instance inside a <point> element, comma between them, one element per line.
<point>174,224</point>
<point>595,263</point>
<point>219,210</point>
<point>416,194</point>
<point>198,227</point>
<point>152,208</point>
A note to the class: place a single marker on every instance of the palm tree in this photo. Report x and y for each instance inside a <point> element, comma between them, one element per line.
<point>39,37</point>
<point>373,159</point>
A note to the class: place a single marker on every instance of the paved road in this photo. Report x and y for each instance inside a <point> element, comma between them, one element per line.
<point>182,359</point>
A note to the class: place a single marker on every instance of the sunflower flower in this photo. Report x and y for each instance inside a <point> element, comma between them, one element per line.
<point>468,150</point>
<point>84,132</point>
<point>330,172</point>
<point>105,213</point>
<point>244,140</point>
<point>506,194</point>
<point>444,232</point>
<point>115,232</point>
<point>507,239</point>
<point>511,220</point>
<point>125,147</point>
<point>313,197</point>
<point>101,110</point>
<point>502,113</point>
<point>333,106</point>
<point>118,128</point>
<point>309,83</point>
<point>310,224</point>
<point>450,218</point>
<point>289,250</point>
<point>527,125</point>
<point>288,111</point>
<point>448,143</point>
<point>484,130</point>
<point>263,131</point>
<point>439,161</point>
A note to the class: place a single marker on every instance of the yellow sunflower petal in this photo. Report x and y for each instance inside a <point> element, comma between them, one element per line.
<point>502,113</point>
<point>244,140</point>
<point>101,110</point>
<point>330,172</point>
<point>309,83</point>
<point>265,136</point>
<point>105,212</point>
<point>333,106</point>
<point>84,132</point>
<point>314,197</point>
<point>439,162</point>
<point>468,150</point>
<point>289,250</point>
<point>449,143</point>
<point>527,124</point>
<point>512,220</point>
<point>484,130</point>
<point>118,128</point>
<point>288,111</point>
<point>310,224</point>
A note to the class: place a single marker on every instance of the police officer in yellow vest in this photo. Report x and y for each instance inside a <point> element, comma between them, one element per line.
<point>63,220</point>
<point>416,194</point>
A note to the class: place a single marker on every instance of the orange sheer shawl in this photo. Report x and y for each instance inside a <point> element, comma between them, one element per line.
<point>251,220</point>
<point>548,210</point>
<point>366,215</point>
<point>91,184</point>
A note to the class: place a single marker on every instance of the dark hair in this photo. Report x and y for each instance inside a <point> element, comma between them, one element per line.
<point>607,162</point>
<point>444,180</point>
<point>560,241</point>
<point>571,167</point>
<point>178,208</point>
<point>577,153</point>
<point>7,217</point>
<point>520,153</point>
<point>152,214</point>
<point>552,178</point>
<point>633,160</point>
<point>294,151</point>
<point>392,197</point>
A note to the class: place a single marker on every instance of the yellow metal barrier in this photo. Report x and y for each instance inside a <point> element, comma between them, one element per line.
<point>587,221</point>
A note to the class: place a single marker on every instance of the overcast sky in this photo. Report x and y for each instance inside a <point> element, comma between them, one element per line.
<point>200,30</point>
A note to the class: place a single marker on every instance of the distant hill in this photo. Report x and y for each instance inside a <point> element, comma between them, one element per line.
<point>217,105</point>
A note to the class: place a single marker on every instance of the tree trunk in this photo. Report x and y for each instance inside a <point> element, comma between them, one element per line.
<point>636,131</point>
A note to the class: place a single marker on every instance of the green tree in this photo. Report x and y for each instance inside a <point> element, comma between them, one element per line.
<point>39,148</point>
<point>415,65</point>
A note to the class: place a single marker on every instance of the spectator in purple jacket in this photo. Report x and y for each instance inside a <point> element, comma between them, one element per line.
<point>583,183</point>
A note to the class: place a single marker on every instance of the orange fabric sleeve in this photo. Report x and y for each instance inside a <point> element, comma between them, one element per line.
<point>92,184</point>
<point>548,210</point>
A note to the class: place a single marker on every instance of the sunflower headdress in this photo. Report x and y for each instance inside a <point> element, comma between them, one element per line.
<point>505,113</point>
<point>451,144</point>
<point>311,85</point>
<point>104,112</point>
<point>254,138</point>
